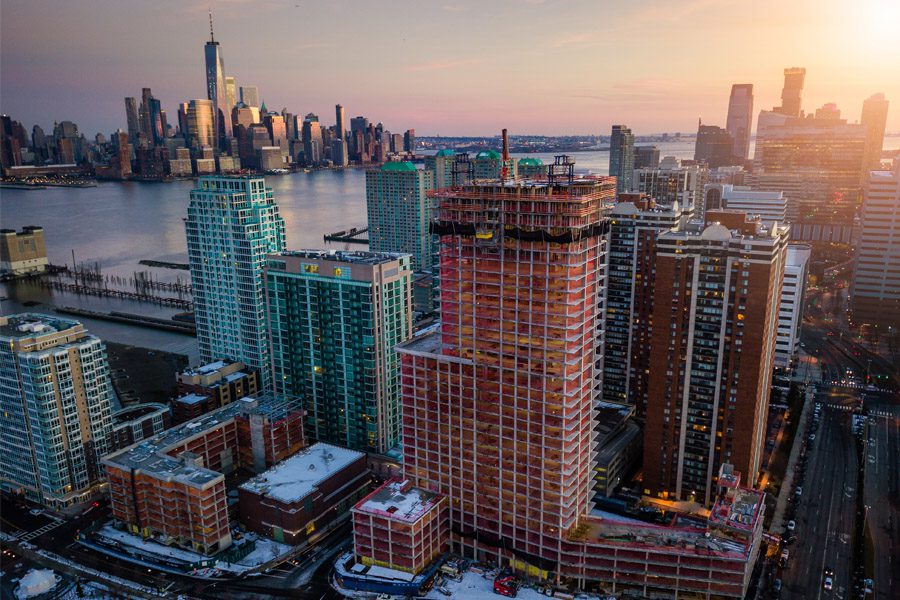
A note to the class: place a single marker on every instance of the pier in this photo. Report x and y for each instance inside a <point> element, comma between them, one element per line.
<point>132,319</point>
<point>106,292</point>
<point>349,237</point>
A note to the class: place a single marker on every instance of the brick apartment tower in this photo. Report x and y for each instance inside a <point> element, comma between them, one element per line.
<point>715,315</point>
<point>498,405</point>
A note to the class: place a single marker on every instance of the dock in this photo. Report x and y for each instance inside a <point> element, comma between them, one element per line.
<point>161,264</point>
<point>350,237</point>
<point>132,319</point>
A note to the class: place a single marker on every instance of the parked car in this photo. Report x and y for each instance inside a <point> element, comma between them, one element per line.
<point>506,585</point>
<point>791,525</point>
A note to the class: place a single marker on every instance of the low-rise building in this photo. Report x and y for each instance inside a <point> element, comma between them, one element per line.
<point>401,527</point>
<point>793,299</point>
<point>618,445</point>
<point>23,251</point>
<point>135,423</point>
<point>304,494</point>
<point>210,386</point>
<point>172,485</point>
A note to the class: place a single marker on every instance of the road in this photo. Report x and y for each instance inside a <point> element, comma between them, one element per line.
<point>882,493</point>
<point>825,511</point>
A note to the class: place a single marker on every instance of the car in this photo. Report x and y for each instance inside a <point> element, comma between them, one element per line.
<point>812,437</point>
<point>506,585</point>
<point>829,572</point>
<point>776,585</point>
<point>791,525</point>
<point>828,584</point>
<point>799,491</point>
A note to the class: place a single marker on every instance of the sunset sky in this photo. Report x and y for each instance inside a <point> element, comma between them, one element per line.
<point>452,67</point>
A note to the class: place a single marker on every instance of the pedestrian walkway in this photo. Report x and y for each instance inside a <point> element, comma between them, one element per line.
<point>787,485</point>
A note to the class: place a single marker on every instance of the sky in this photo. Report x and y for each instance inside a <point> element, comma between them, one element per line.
<point>451,67</point>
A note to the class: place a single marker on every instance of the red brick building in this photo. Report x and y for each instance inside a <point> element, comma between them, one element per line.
<point>299,497</point>
<point>173,485</point>
<point>220,383</point>
<point>401,527</point>
<point>716,296</point>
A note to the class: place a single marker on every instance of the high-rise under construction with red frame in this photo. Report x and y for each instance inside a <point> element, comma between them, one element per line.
<point>498,404</point>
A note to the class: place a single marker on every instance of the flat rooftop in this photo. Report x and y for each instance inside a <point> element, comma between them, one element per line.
<point>357,257</point>
<point>739,508</point>
<point>293,479</point>
<point>33,325</point>
<point>399,500</point>
<point>191,399</point>
<point>207,369</point>
<point>150,455</point>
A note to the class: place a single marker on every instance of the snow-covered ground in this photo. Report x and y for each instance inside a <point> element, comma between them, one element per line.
<point>475,586</point>
<point>36,582</point>
<point>265,551</point>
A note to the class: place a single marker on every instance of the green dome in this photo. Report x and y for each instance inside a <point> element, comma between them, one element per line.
<point>398,166</point>
<point>491,154</point>
<point>445,152</point>
<point>531,162</point>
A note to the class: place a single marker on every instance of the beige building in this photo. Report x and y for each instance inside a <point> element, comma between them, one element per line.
<point>23,251</point>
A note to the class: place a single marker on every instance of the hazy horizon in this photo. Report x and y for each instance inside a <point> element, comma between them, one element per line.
<point>537,67</point>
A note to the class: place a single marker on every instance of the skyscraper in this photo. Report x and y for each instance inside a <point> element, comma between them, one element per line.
<point>132,119</point>
<point>714,146</point>
<point>250,95</point>
<point>233,223</point>
<point>340,128</point>
<point>441,164</point>
<point>215,87</point>
<point>621,157</point>
<point>311,135</point>
<point>739,122</point>
<point>55,398</point>
<point>874,118</point>
<point>334,320</point>
<point>646,157</point>
<point>792,92</point>
<point>230,94</point>
<point>409,141</point>
<point>399,211</point>
<point>635,223</point>
<point>497,405</point>
<point>200,124</point>
<point>715,313</point>
<point>875,294</point>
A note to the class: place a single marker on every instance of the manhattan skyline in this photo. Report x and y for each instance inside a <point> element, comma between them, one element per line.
<point>451,68</point>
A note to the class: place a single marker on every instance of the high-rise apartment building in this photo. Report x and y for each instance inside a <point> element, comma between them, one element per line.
<point>250,95</point>
<point>739,122</point>
<point>874,118</point>
<point>441,164</point>
<point>875,294</point>
<point>790,310</point>
<point>311,134</point>
<point>339,155</point>
<point>55,397</point>
<point>792,92</point>
<point>672,182</point>
<point>621,157</point>
<point>233,223</point>
<point>215,87</point>
<point>635,223</point>
<point>334,319</point>
<point>399,211</point>
<point>712,348</point>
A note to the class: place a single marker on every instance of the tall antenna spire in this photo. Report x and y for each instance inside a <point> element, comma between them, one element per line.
<point>212,38</point>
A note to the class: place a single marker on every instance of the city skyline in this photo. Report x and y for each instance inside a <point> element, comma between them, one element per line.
<point>457,79</point>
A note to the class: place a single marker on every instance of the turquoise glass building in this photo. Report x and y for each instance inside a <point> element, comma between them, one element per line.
<point>335,318</point>
<point>233,223</point>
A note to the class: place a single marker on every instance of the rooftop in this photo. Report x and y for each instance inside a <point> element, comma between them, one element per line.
<point>491,154</point>
<point>150,455</point>
<point>445,152</point>
<point>293,479</point>
<point>191,399</point>
<point>32,325</point>
<point>359,257</point>
<point>398,166</point>
<point>399,500</point>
